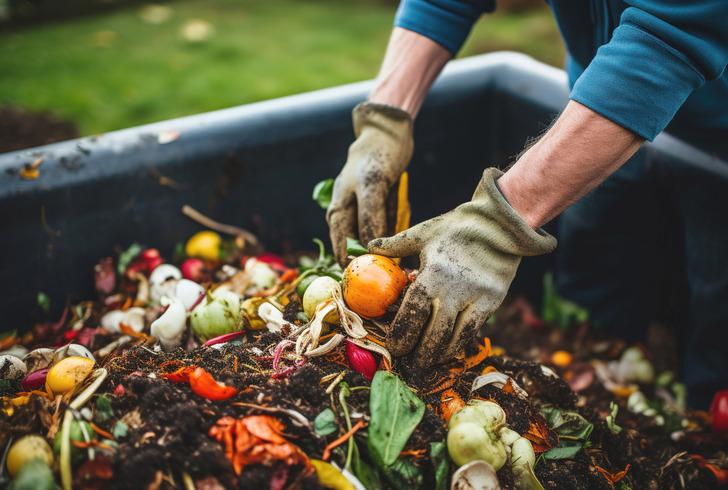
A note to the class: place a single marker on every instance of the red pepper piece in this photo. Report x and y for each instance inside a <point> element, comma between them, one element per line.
<point>204,385</point>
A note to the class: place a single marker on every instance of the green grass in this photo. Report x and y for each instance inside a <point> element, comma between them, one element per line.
<point>115,70</point>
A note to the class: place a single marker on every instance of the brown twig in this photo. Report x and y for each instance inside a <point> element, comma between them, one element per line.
<point>207,222</point>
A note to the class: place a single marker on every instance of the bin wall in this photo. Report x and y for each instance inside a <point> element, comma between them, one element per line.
<point>253,166</point>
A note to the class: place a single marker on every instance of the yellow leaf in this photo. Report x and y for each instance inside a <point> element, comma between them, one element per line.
<point>330,477</point>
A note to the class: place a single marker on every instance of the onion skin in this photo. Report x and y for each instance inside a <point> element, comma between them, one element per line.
<point>371,284</point>
<point>361,360</point>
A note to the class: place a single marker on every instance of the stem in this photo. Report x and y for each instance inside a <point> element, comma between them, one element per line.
<point>343,394</point>
<point>65,463</point>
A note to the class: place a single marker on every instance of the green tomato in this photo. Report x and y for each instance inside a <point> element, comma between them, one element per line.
<point>216,315</point>
<point>319,291</point>
<point>304,284</point>
<point>471,442</point>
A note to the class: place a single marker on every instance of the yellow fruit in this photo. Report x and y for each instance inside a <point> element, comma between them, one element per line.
<point>205,245</point>
<point>26,449</point>
<point>67,373</point>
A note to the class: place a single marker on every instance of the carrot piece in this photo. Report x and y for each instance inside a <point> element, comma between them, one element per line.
<point>341,440</point>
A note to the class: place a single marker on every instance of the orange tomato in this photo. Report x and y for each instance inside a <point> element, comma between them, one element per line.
<point>371,284</point>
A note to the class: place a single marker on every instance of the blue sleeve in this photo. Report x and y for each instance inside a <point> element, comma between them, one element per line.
<point>447,22</point>
<point>661,52</point>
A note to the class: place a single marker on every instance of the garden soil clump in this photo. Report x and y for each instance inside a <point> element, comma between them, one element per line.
<point>234,386</point>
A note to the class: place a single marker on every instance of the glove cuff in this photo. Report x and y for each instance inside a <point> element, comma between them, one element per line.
<point>518,237</point>
<point>388,118</point>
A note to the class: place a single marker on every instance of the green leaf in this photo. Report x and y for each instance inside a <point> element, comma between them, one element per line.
<point>322,192</point>
<point>104,411</point>
<point>325,423</point>
<point>43,301</point>
<point>120,430</point>
<point>366,474</point>
<point>354,247</point>
<point>441,463</point>
<point>569,425</point>
<point>564,452</point>
<point>612,418</point>
<point>403,475</point>
<point>126,257</point>
<point>395,412</point>
<point>560,311</point>
<point>34,475</point>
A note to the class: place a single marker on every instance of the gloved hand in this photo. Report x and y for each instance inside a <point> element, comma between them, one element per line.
<point>377,158</point>
<point>468,258</point>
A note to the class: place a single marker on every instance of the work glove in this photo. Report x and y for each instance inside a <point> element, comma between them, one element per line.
<point>377,158</point>
<point>468,258</point>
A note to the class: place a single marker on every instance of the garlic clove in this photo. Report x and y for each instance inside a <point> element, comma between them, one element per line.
<point>170,327</point>
<point>188,292</point>
<point>476,475</point>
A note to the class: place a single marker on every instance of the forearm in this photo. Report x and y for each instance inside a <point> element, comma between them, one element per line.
<point>580,150</point>
<point>411,64</point>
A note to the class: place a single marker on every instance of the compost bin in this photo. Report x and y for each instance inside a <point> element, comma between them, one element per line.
<point>272,370</point>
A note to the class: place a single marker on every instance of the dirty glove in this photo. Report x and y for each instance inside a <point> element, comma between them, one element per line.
<point>468,258</point>
<point>377,158</point>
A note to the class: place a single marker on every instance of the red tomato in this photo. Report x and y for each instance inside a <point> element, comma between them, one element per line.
<point>719,411</point>
<point>204,385</point>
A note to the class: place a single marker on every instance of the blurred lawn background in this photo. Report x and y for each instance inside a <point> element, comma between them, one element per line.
<point>145,63</point>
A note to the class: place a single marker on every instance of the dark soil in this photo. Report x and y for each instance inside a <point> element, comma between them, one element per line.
<point>21,128</point>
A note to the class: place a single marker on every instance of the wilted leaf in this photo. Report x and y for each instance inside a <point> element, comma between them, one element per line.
<point>104,411</point>
<point>126,257</point>
<point>612,418</point>
<point>564,452</point>
<point>567,424</point>
<point>325,423</point>
<point>613,478</point>
<point>120,430</point>
<point>441,463</point>
<point>403,475</point>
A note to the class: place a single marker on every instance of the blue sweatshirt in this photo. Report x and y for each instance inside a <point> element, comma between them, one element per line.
<point>640,63</point>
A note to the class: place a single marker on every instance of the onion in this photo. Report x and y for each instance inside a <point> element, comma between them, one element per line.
<point>216,315</point>
<point>361,360</point>
<point>34,380</point>
<point>372,283</point>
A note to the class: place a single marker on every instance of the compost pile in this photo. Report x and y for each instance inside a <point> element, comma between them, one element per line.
<point>222,369</point>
